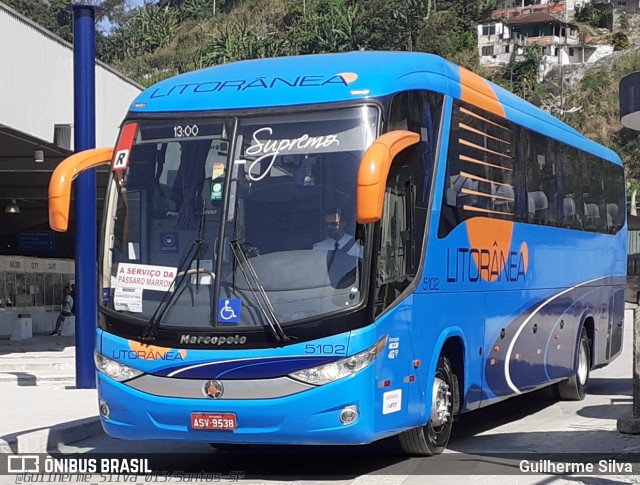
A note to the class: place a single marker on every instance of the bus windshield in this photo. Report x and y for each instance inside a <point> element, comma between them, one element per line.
<point>256,212</point>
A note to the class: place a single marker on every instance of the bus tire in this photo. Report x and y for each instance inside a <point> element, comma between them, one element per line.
<point>575,388</point>
<point>638,298</point>
<point>432,438</point>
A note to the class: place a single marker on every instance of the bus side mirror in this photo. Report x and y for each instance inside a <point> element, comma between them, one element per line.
<point>374,170</point>
<point>62,181</point>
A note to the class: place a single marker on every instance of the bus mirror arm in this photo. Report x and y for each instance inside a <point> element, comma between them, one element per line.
<point>62,181</point>
<point>374,170</point>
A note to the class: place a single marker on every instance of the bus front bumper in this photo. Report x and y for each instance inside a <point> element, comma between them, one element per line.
<point>311,417</point>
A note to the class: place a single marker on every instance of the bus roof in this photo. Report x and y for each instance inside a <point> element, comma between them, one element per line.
<point>360,75</point>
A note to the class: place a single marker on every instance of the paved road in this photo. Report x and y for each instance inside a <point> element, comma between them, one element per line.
<point>533,427</point>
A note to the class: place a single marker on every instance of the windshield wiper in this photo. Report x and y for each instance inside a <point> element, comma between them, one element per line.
<point>151,330</point>
<point>263,302</point>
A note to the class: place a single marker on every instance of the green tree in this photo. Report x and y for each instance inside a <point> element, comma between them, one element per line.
<point>523,75</point>
<point>53,15</point>
<point>444,33</point>
<point>620,41</point>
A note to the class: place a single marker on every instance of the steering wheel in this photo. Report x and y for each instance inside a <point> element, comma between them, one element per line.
<point>193,271</point>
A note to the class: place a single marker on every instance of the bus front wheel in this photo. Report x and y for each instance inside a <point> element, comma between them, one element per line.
<point>432,438</point>
<point>575,388</point>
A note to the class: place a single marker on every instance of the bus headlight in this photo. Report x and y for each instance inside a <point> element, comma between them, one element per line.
<point>324,374</point>
<point>113,369</point>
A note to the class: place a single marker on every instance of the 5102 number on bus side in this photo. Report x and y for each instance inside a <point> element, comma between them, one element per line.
<point>431,284</point>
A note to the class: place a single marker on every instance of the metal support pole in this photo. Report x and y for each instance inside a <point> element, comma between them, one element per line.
<point>632,425</point>
<point>84,87</point>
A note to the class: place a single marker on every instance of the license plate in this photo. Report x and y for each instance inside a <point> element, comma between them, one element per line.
<point>219,421</point>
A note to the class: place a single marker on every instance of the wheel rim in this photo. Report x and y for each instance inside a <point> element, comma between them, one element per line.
<point>583,365</point>
<point>440,403</point>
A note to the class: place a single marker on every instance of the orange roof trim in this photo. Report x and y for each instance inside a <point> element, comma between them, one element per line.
<point>477,91</point>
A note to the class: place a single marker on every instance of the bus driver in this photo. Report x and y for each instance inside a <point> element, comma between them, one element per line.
<point>335,227</point>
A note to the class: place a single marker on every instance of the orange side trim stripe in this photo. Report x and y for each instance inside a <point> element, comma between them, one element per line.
<point>480,179</point>
<point>482,118</point>
<point>473,130</point>
<point>478,147</point>
<point>475,90</point>
<point>480,162</point>
<point>484,194</point>
<point>487,211</point>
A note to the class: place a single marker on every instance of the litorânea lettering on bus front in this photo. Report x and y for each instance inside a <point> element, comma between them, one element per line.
<point>260,82</point>
<point>144,351</point>
<point>146,354</point>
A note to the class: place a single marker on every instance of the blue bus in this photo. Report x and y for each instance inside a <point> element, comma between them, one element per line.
<point>334,249</point>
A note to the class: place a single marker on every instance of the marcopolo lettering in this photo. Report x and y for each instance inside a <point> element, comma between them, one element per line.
<point>246,84</point>
<point>213,339</point>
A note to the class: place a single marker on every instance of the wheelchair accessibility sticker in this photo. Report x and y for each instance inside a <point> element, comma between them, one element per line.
<point>229,310</point>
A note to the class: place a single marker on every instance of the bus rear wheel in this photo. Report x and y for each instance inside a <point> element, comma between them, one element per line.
<point>432,438</point>
<point>575,388</point>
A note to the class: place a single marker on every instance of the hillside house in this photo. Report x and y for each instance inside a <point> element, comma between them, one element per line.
<point>628,6</point>
<point>501,41</point>
<point>514,8</point>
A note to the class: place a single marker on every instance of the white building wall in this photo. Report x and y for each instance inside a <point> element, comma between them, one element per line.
<point>600,52</point>
<point>36,83</point>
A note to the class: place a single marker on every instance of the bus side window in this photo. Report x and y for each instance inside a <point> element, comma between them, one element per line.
<point>481,170</point>
<point>595,218</point>
<point>572,204</point>
<point>614,198</point>
<point>397,257</point>
<point>541,183</point>
<point>402,227</point>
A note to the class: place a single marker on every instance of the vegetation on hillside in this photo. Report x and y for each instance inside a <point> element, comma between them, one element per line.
<point>167,37</point>
<point>599,118</point>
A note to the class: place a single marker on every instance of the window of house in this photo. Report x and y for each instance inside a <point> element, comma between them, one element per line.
<point>487,50</point>
<point>488,29</point>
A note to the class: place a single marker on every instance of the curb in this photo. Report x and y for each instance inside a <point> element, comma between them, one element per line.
<point>52,439</point>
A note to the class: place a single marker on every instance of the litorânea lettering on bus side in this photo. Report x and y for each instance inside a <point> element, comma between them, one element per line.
<point>476,264</point>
